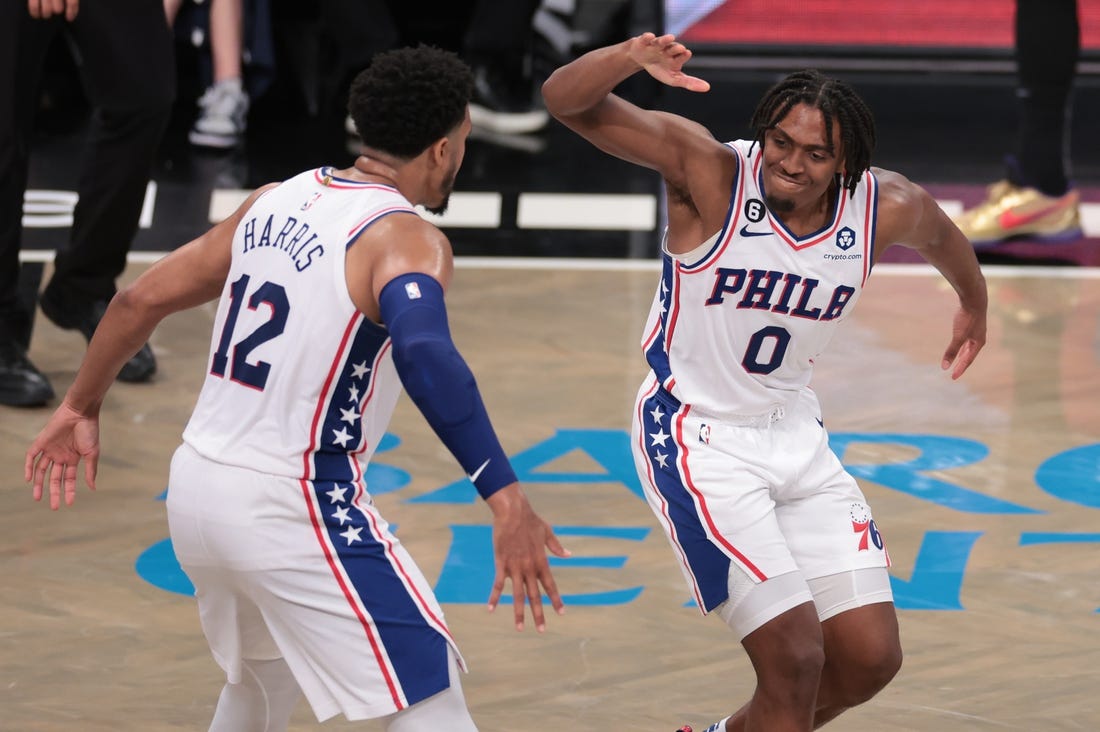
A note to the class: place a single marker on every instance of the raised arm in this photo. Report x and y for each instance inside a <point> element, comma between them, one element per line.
<point>191,275</point>
<point>398,273</point>
<point>910,217</point>
<point>579,94</point>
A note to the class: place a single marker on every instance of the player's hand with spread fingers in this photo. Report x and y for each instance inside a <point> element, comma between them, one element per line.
<point>663,58</point>
<point>520,542</point>
<point>52,459</point>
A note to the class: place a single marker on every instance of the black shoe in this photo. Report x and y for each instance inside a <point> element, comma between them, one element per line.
<point>141,366</point>
<point>504,104</point>
<point>21,384</point>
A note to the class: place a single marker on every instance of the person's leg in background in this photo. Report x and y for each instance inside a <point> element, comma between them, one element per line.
<point>1048,44</point>
<point>1036,199</point>
<point>129,74</point>
<point>223,115</point>
<point>23,46</point>
<point>497,45</point>
<point>353,32</point>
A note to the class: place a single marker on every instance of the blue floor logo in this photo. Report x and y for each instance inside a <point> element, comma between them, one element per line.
<point>935,582</point>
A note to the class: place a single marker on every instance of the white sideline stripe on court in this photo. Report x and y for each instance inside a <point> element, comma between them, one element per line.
<point>466,210</point>
<point>653,265</point>
<point>615,212</point>
<point>604,211</point>
<point>51,209</point>
<point>635,212</point>
<point>148,205</point>
<point>951,208</point>
<point>482,210</point>
<point>1090,218</point>
<point>469,210</point>
<point>224,201</point>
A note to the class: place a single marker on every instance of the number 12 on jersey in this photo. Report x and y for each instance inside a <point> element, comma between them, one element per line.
<point>253,375</point>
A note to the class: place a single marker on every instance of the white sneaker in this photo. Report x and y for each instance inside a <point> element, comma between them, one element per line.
<point>222,119</point>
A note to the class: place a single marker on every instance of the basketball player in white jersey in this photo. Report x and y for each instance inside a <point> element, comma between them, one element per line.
<point>769,243</point>
<point>331,297</point>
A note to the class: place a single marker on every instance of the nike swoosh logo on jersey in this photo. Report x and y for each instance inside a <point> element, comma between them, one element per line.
<point>474,475</point>
<point>1009,219</point>
<point>745,232</point>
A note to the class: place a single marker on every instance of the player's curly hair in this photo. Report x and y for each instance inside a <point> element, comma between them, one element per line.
<point>837,101</point>
<point>408,98</point>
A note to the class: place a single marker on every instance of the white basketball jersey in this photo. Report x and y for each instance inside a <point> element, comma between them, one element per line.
<point>299,382</point>
<point>737,323</point>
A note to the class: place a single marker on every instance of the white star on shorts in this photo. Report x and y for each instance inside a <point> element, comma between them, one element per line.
<point>659,438</point>
<point>341,437</point>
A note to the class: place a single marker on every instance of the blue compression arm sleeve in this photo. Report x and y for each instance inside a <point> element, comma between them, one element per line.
<point>438,380</point>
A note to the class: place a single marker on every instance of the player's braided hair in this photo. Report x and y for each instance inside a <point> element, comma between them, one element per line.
<point>408,98</point>
<point>837,101</point>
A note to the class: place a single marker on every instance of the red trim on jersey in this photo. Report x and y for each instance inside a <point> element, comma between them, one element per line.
<point>674,310</point>
<point>345,185</point>
<point>732,216</point>
<point>358,228</point>
<point>780,230</point>
<point>731,230</point>
<point>366,397</point>
<point>796,243</point>
<point>351,598</point>
<point>425,609</point>
<point>318,528</point>
<point>664,504</point>
<point>323,399</point>
<point>649,339</point>
<point>704,512</point>
<point>736,211</point>
<point>361,490</point>
<point>658,325</point>
<point>317,525</point>
<point>871,184</point>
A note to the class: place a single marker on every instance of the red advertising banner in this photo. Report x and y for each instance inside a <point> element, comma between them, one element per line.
<point>878,23</point>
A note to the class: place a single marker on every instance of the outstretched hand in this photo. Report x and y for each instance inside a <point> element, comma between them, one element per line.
<point>520,542</point>
<point>53,457</point>
<point>663,58</point>
<point>967,338</point>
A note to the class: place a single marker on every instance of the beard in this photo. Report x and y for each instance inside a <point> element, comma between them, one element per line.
<point>779,205</point>
<point>441,208</point>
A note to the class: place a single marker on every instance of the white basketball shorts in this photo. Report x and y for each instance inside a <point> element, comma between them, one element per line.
<point>767,494</point>
<point>311,573</point>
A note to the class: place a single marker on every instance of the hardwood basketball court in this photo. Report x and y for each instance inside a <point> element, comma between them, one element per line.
<point>986,491</point>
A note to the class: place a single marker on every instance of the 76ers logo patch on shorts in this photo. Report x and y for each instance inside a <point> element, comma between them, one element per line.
<point>864,526</point>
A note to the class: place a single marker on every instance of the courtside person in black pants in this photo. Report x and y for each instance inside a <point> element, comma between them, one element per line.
<point>128,72</point>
